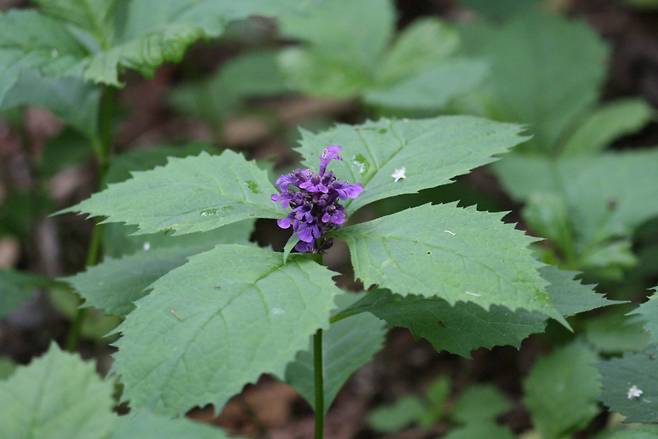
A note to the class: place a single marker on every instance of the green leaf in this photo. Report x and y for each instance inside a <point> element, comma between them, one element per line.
<point>393,418</point>
<point>637,432</point>
<point>599,200</point>
<point>94,16</point>
<point>57,396</point>
<point>146,425</point>
<point>429,89</point>
<point>452,253</point>
<point>546,71</point>
<point>7,368</point>
<point>458,329</point>
<point>621,374</point>
<point>235,308</point>
<point>71,99</point>
<point>347,345</point>
<point>423,44</point>
<point>193,194</point>
<point>561,391</point>
<point>30,41</point>
<point>155,32</point>
<point>607,123</point>
<point>480,403</point>
<point>214,99</point>
<point>616,331</point>
<point>547,216</point>
<point>17,288</point>
<point>648,312</point>
<point>432,151</point>
<point>569,295</point>
<point>488,430</point>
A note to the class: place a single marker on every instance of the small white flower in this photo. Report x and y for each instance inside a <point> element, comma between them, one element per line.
<point>399,174</point>
<point>146,246</point>
<point>634,392</point>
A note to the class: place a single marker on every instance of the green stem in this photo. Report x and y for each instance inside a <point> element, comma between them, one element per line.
<point>103,148</point>
<point>319,384</point>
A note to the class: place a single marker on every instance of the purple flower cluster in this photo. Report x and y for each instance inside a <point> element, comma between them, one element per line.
<point>315,202</point>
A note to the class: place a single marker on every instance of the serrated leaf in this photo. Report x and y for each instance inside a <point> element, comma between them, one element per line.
<point>480,403</point>
<point>57,396</point>
<point>422,44</point>
<point>18,287</point>
<point>429,89</point>
<point>346,347</point>
<point>569,295</point>
<point>146,425</point>
<point>616,331</point>
<point>648,312</point>
<point>490,430</point>
<point>599,200</point>
<point>621,374</point>
<point>235,308</point>
<point>458,329</point>
<point>30,41</point>
<point>561,391</point>
<point>607,123</point>
<point>395,417</point>
<point>193,194</point>
<point>451,253</point>
<point>432,151</point>
<point>526,56</point>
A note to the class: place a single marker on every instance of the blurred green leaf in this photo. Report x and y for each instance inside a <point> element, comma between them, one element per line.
<point>145,425</point>
<point>547,216</point>
<point>630,385</point>
<point>616,331</point>
<point>7,368</point>
<point>648,312</point>
<point>607,123</point>
<point>18,287</point>
<point>561,391</point>
<point>393,418</point>
<point>346,347</point>
<point>480,403</point>
<point>94,16</point>
<point>488,430</point>
<point>500,9</point>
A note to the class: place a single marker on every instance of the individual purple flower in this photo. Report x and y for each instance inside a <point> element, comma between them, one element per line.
<point>315,202</point>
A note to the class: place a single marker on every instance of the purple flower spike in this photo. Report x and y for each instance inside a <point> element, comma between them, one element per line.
<point>315,202</point>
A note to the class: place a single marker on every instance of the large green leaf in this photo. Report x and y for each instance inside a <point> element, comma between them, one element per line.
<point>608,123</point>
<point>546,71</point>
<point>187,195</point>
<point>146,425</point>
<point>459,255</point>
<point>347,345</point>
<point>236,309</point>
<point>431,151</point>
<point>458,329</point>
<point>630,385</point>
<point>600,201</point>
<point>17,288</point>
<point>561,391</point>
<point>30,41</point>
<point>56,396</point>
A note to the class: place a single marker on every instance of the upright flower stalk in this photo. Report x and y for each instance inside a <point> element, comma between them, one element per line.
<point>314,200</point>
